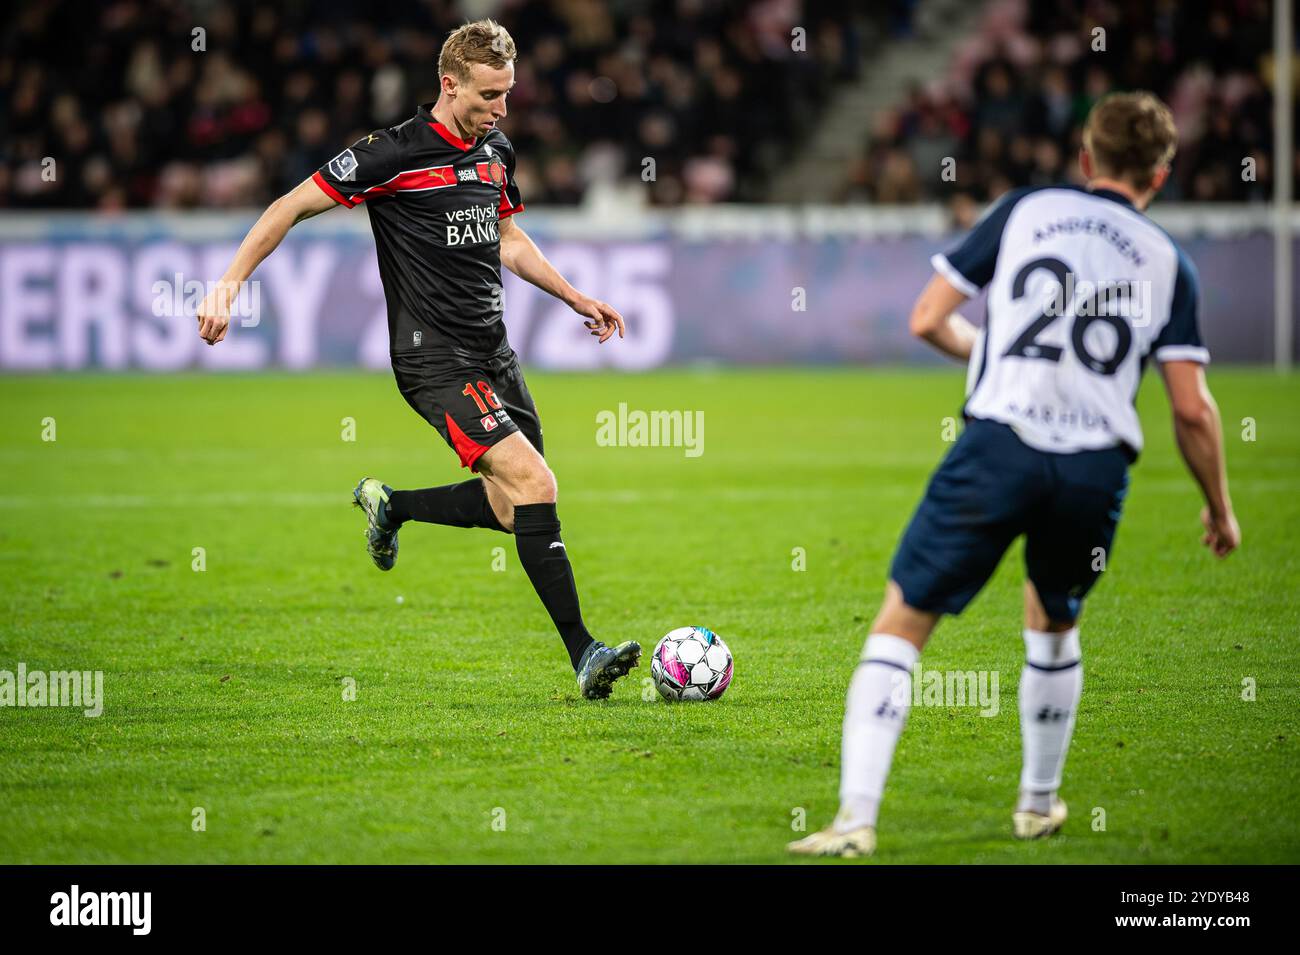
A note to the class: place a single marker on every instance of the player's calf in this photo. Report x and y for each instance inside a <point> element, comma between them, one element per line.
<point>521,474</point>
<point>879,699</point>
<point>1051,683</point>
<point>465,504</point>
<point>497,501</point>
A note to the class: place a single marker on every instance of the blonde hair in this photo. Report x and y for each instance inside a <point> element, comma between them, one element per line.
<point>1130,136</point>
<point>483,41</point>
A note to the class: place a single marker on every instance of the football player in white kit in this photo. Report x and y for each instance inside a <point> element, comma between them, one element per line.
<point>1083,289</point>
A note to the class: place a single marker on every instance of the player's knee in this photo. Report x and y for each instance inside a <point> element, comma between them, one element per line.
<point>538,486</point>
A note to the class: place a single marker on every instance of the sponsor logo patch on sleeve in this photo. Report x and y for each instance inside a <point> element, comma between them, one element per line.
<point>343,167</point>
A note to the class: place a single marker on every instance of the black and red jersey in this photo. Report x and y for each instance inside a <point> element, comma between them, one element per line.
<point>435,201</point>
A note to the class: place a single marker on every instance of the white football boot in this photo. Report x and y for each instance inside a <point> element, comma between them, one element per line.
<point>1034,825</point>
<point>847,844</point>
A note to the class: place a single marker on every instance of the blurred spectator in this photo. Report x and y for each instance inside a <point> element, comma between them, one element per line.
<point>1011,110</point>
<point>135,116</point>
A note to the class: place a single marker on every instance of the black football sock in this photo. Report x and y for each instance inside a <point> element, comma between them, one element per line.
<point>456,505</point>
<point>537,538</point>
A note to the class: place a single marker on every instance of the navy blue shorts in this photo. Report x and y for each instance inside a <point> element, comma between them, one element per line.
<point>990,489</point>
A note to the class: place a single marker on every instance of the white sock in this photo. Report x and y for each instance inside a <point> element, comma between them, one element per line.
<point>1050,684</point>
<point>880,696</point>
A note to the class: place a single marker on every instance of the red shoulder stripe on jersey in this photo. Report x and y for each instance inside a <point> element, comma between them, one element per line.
<point>330,190</point>
<point>438,177</point>
<point>451,137</point>
<point>504,208</point>
<point>466,447</point>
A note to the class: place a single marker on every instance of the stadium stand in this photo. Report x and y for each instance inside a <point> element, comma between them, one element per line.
<point>710,88</point>
<point>1011,107</point>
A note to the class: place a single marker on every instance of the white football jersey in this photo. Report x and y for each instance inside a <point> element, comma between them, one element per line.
<point>1082,289</point>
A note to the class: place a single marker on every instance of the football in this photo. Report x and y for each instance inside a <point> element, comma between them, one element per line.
<point>691,663</point>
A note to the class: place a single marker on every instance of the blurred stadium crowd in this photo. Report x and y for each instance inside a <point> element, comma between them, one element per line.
<point>1011,109</point>
<point>134,116</point>
<point>115,92</point>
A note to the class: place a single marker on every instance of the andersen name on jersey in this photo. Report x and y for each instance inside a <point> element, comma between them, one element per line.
<point>435,205</point>
<point>1082,290</point>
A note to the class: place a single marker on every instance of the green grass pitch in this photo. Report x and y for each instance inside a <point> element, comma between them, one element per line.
<point>466,741</point>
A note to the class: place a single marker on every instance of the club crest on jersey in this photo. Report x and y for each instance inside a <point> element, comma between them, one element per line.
<point>343,167</point>
<point>493,171</point>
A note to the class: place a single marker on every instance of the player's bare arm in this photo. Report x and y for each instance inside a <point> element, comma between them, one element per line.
<point>1200,440</point>
<point>268,232</point>
<point>935,319</point>
<point>520,254</point>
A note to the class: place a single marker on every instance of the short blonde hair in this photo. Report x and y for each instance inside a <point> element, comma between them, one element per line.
<point>1131,135</point>
<point>483,41</point>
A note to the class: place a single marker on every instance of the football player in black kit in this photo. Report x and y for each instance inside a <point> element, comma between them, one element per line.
<point>441,195</point>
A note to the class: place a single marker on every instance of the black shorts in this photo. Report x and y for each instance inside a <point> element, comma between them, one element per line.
<point>990,489</point>
<point>473,405</point>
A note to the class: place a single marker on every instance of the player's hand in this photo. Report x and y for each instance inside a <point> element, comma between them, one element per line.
<point>214,313</point>
<point>602,318</point>
<point>1222,535</point>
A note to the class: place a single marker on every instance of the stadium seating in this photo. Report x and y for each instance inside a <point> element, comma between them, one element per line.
<point>1011,107</point>
<point>710,88</point>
